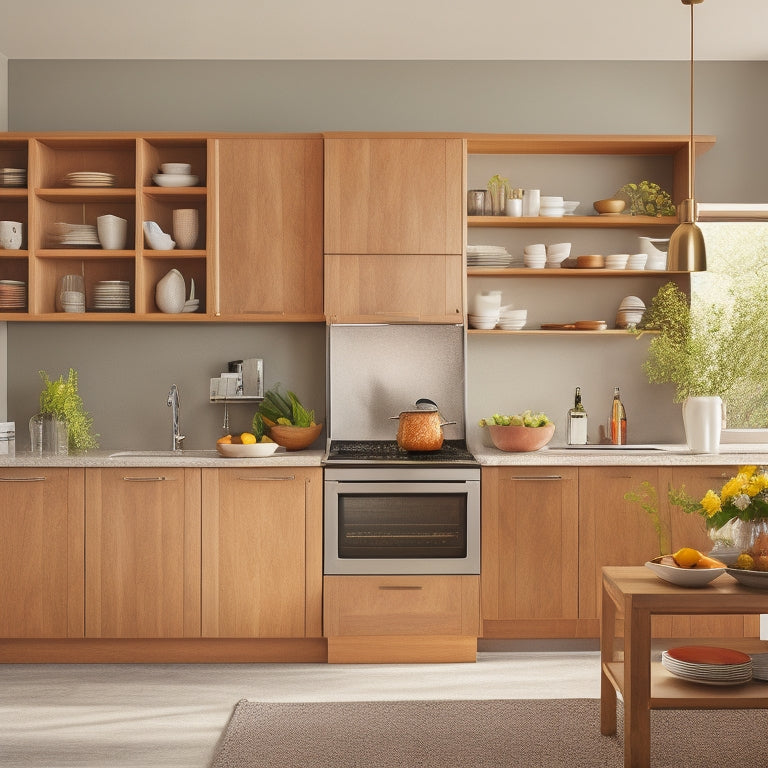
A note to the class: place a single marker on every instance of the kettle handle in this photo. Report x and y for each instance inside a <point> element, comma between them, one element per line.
<point>426,401</point>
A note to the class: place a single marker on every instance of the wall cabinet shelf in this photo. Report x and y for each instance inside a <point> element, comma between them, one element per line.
<point>555,222</point>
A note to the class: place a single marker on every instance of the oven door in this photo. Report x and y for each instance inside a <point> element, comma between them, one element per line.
<point>402,527</point>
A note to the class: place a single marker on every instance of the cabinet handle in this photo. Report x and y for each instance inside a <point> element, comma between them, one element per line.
<point>217,230</point>
<point>404,587</point>
<point>144,479</point>
<point>270,477</point>
<point>22,479</point>
<point>535,477</point>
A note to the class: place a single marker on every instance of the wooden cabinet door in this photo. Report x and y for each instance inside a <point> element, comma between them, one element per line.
<point>612,531</point>
<point>270,227</point>
<point>262,552</point>
<point>530,549</point>
<point>394,288</point>
<point>41,552</point>
<point>394,195</point>
<point>142,563</point>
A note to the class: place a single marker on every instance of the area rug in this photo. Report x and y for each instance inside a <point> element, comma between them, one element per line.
<point>530,733</point>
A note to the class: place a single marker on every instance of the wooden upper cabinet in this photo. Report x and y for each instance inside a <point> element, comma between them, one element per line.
<point>41,552</point>
<point>142,565</point>
<point>270,228</point>
<point>389,194</point>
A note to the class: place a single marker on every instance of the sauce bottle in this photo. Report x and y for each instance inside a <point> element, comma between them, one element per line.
<point>577,422</point>
<point>618,420</point>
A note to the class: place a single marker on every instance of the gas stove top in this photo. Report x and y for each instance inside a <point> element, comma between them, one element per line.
<point>377,452</point>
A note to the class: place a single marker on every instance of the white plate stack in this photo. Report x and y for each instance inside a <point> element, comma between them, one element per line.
<point>511,319</point>
<point>535,256</point>
<point>637,261</point>
<point>76,235</point>
<point>708,664</point>
<point>13,177</point>
<point>551,206</point>
<point>483,311</point>
<point>111,296</point>
<point>90,179</point>
<point>759,666</point>
<point>13,294</point>
<point>488,256</point>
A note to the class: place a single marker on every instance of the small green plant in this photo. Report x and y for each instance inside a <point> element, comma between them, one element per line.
<point>61,398</point>
<point>647,199</point>
<point>648,499</point>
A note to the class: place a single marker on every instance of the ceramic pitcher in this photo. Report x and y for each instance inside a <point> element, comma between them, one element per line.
<point>703,421</point>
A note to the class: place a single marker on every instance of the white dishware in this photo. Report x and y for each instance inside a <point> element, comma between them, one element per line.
<point>685,577</point>
<point>185,227</point>
<point>10,235</point>
<point>112,232</point>
<point>170,292</point>
<point>177,169</point>
<point>156,239</point>
<point>570,207</point>
<point>616,261</point>
<point>247,451</point>
<point>531,202</point>
<point>703,420</point>
<point>514,207</point>
<point>70,294</point>
<point>535,249</point>
<point>637,260</point>
<point>174,180</point>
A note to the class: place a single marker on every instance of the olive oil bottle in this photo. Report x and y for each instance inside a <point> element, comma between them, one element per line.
<point>577,422</point>
<point>618,420</point>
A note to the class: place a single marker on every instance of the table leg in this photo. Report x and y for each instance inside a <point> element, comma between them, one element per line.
<point>637,686</point>
<point>607,643</point>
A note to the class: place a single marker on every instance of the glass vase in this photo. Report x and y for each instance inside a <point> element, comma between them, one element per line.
<point>753,541</point>
<point>48,435</point>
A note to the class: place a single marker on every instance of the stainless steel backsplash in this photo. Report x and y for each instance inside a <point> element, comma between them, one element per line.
<point>377,371</point>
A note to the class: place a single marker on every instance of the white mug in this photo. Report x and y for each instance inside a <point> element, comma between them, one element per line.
<point>112,231</point>
<point>10,234</point>
<point>531,202</point>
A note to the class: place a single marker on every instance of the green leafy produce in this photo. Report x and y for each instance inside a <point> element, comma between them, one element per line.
<point>281,409</point>
<point>524,419</point>
<point>258,426</point>
<point>61,398</point>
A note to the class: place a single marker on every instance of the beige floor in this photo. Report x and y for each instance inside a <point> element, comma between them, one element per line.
<point>56,716</point>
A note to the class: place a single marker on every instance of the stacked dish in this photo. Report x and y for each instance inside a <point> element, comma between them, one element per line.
<point>511,319</point>
<point>759,666</point>
<point>557,253</point>
<point>111,296</point>
<point>616,261</point>
<point>90,179</point>
<point>13,177</point>
<point>13,294</point>
<point>570,206</point>
<point>535,256</point>
<point>551,206</point>
<point>630,312</point>
<point>637,261</point>
<point>75,235</point>
<point>484,308</point>
<point>708,664</point>
<point>175,175</point>
<point>489,256</point>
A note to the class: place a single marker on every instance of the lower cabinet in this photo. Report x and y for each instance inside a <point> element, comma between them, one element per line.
<point>530,585</point>
<point>41,552</point>
<point>142,561</point>
<point>262,552</point>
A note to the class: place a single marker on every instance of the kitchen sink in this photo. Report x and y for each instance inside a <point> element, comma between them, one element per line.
<point>183,454</point>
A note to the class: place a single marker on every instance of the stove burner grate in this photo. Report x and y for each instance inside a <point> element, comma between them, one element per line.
<point>369,451</point>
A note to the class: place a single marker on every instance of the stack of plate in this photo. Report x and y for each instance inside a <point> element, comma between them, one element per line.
<point>616,261</point>
<point>552,206</point>
<point>759,666</point>
<point>511,319</point>
<point>708,664</point>
<point>13,177</point>
<point>90,179</point>
<point>111,296</point>
<point>13,294</point>
<point>488,256</point>
<point>75,235</point>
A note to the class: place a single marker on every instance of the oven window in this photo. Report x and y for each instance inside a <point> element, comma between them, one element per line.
<point>386,525</point>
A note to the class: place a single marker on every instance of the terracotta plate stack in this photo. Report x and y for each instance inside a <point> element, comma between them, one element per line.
<point>708,664</point>
<point>13,294</point>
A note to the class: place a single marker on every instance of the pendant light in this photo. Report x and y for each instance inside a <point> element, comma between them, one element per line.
<point>686,246</point>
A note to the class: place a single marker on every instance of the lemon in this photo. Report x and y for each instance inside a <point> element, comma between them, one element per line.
<point>266,439</point>
<point>745,562</point>
<point>247,438</point>
<point>687,557</point>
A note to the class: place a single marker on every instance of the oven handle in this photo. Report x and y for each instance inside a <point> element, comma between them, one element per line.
<point>417,487</point>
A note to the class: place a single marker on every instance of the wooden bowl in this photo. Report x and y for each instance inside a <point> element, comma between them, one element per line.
<point>520,439</point>
<point>295,438</point>
<point>590,261</point>
<point>609,206</point>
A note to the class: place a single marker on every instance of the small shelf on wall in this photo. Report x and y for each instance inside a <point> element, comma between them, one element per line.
<point>566,272</point>
<point>564,332</point>
<point>550,222</point>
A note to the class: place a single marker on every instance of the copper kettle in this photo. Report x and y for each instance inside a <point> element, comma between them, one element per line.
<point>421,428</point>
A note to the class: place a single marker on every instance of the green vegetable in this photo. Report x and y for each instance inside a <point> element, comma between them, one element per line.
<point>280,409</point>
<point>524,419</point>
<point>60,398</point>
<point>257,426</point>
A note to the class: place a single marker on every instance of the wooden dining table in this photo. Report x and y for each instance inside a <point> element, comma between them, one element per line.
<point>633,668</point>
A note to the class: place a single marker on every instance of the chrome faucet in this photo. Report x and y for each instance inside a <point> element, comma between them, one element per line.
<point>173,403</point>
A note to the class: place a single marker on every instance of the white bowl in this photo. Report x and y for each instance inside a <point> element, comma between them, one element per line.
<point>551,200</point>
<point>616,261</point>
<point>570,206</point>
<point>637,261</point>
<point>156,239</point>
<point>632,302</point>
<point>558,248</point>
<point>685,577</point>
<point>174,180</point>
<point>514,314</point>
<point>177,169</point>
<point>239,451</point>
<point>535,249</point>
<point>512,326</point>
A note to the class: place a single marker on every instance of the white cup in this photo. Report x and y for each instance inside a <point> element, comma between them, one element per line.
<point>185,227</point>
<point>10,234</point>
<point>112,231</point>
<point>531,202</point>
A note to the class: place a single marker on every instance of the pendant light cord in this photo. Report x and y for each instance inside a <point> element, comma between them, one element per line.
<point>691,150</point>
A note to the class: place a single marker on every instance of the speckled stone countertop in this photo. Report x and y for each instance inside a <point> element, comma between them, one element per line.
<point>661,456</point>
<point>189,458</point>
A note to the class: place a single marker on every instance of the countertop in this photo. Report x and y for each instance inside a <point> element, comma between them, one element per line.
<point>190,458</point>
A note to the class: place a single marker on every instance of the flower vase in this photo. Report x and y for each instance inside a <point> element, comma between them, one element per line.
<point>703,421</point>
<point>48,435</point>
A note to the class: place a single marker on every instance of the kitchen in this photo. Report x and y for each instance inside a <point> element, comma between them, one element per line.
<point>132,365</point>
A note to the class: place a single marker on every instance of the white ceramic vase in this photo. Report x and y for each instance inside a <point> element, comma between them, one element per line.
<point>185,227</point>
<point>170,292</point>
<point>703,421</point>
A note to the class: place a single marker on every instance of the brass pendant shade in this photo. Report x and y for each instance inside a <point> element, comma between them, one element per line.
<point>687,252</point>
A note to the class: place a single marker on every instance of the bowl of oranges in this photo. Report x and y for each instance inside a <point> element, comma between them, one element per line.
<point>245,446</point>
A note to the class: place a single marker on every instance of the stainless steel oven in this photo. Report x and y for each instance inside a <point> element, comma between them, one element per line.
<point>417,519</point>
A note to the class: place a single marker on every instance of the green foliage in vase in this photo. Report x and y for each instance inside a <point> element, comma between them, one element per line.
<point>60,397</point>
<point>707,348</point>
<point>647,199</point>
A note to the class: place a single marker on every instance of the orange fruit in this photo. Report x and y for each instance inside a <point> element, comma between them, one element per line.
<point>247,438</point>
<point>709,562</point>
<point>226,439</point>
<point>687,557</point>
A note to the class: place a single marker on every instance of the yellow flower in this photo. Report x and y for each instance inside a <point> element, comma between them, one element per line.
<point>732,488</point>
<point>711,503</point>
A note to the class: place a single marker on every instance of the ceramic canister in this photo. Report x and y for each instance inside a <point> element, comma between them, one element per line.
<point>170,292</point>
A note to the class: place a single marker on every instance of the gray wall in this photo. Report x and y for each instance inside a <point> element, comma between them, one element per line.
<point>140,361</point>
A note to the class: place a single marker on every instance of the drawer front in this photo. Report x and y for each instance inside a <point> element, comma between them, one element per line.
<point>401,605</point>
